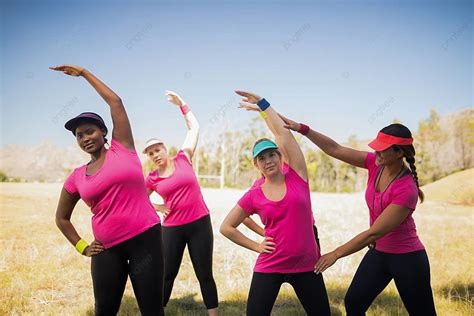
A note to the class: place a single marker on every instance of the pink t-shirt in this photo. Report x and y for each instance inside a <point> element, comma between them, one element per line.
<point>402,191</point>
<point>289,223</point>
<point>284,169</point>
<point>180,191</point>
<point>116,195</point>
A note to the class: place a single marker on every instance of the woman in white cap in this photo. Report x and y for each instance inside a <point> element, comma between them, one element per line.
<point>289,250</point>
<point>126,228</point>
<point>186,215</point>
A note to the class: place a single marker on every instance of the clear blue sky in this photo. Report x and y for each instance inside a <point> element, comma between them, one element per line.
<point>345,67</point>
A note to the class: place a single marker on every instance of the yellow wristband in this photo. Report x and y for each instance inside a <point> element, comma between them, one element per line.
<point>81,246</point>
<point>263,115</point>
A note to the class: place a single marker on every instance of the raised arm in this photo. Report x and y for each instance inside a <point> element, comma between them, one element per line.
<point>192,137</point>
<point>66,205</point>
<point>229,229</point>
<point>329,146</point>
<point>276,125</point>
<point>122,130</point>
<point>391,217</point>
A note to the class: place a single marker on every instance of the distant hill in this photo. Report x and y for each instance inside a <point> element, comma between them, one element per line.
<point>45,162</point>
<point>457,188</point>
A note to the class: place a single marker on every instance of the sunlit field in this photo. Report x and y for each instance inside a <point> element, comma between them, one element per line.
<point>42,274</point>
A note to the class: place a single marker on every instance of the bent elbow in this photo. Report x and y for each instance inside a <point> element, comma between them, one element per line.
<point>224,230</point>
<point>374,235</point>
<point>59,222</point>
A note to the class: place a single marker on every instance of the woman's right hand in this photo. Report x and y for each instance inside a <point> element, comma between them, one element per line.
<point>71,70</point>
<point>174,98</point>
<point>165,211</point>
<point>266,246</point>
<point>289,124</point>
<point>248,106</point>
<point>248,96</point>
<point>93,249</point>
<point>162,209</point>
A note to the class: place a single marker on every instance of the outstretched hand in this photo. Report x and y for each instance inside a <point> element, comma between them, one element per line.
<point>248,96</point>
<point>174,98</point>
<point>289,124</point>
<point>71,70</point>
<point>325,262</point>
<point>248,106</point>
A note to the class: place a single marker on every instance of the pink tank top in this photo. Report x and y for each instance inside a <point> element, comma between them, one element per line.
<point>402,191</point>
<point>289,222</point>
<point>116,195</point>
<point>180,191</point>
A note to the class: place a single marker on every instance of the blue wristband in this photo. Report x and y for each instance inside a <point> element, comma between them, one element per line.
<point>263,104</point>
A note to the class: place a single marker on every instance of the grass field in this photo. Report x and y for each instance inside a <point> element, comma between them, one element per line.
<point>41,273</point>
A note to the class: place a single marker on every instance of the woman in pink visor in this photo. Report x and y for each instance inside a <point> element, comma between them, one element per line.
<point>395,251</point>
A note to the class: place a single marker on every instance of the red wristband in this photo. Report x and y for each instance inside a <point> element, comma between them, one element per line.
<point>304,129</point>
<point>184,109</point>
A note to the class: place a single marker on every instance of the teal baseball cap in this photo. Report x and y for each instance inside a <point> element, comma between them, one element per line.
<point>263,145</point>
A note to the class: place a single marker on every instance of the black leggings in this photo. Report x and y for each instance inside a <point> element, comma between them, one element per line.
<point>411,272</point>
<point>309,288</point>
<point>316,236</point>
<point>200,240</point>
<point>141,257</point>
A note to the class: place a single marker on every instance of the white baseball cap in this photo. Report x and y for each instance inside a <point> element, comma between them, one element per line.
<point>151,142</point>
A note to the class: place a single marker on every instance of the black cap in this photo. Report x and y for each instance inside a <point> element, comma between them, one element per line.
<point>85,116</point>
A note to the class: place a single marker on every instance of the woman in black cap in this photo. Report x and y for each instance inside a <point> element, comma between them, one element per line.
<point>126,227</point>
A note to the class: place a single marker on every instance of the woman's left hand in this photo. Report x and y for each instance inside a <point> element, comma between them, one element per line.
<point>325,262</point>
<point>71,70</point>
<point>174,98</point>
<point>248,96</point>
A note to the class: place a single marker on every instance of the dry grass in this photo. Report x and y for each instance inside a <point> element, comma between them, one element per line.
<point>41,274</point>
<point>456,188</point>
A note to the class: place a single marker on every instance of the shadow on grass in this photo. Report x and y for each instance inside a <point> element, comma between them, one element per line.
<point>385,303</point>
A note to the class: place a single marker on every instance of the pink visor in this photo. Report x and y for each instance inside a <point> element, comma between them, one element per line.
<point>384,141</point>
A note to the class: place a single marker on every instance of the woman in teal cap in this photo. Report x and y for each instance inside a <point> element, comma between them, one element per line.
<point>289,251</point>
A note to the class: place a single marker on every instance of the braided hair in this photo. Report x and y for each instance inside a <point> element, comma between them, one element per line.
<point>399,130</point>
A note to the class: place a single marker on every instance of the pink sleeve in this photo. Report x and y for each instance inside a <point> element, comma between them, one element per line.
<point>294,175</point>
<point>246,204</point>
<point>116,146</point>
<point>258,182</point>
<point>181,156</point>
<point>149,182</point>
<point>70,184</point>
<point>370,163</point>
<point>405,195</point>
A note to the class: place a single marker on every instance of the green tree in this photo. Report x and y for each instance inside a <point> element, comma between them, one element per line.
<point>3,177</point>
<point>464,133</point>
<point>429,138</point>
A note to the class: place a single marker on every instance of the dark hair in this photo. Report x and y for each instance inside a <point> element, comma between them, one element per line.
<point>259,141</point>
<point>93,122</point>
<point>400,130</point>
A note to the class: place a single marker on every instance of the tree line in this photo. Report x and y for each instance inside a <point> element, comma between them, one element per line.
<point>444,145</point>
